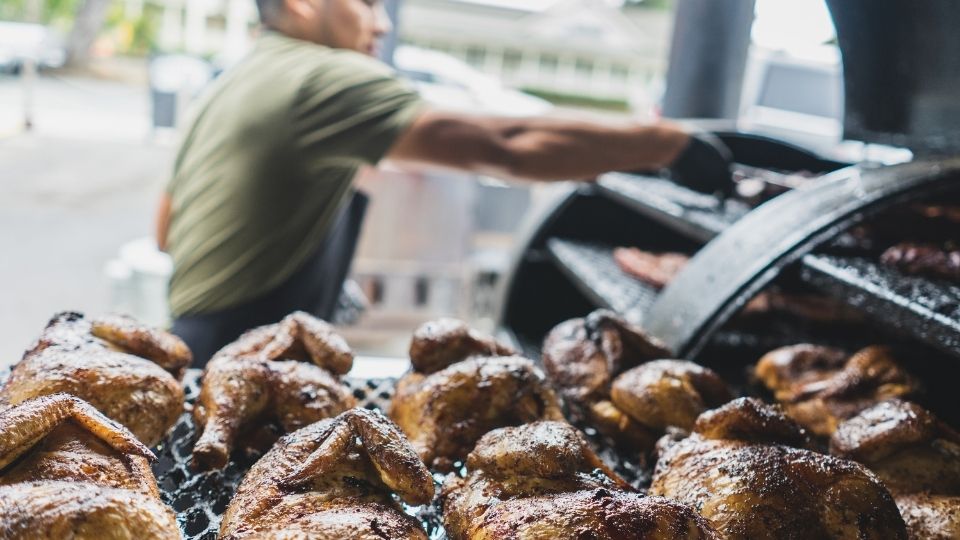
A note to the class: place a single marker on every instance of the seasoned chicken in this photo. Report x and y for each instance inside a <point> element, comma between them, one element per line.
<point>113,363</point>
<point>67,471</point>
<point>542,480</point>
<point>739,471</point>
<point>330,481</point>
<point>592,361</point>
<point>927,260</point>
<point>288,372</point>
<point>819,387</point>
<point>446,412</point>
<point>916,456</point>
<point>443,342</point>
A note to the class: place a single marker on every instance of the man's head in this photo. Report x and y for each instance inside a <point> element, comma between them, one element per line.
<point>343,24</point>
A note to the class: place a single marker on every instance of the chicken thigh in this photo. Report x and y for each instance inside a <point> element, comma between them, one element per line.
<point>542,480</point>
<point>288,372</point>
<point>330,481</point>
<point>741,468</point>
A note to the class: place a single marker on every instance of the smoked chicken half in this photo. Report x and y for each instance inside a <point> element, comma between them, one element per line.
<point>542,480</point>
<point>820,387</point>
<point>286,372</point>
<point>444,410</point>
<point>332,480</point>
<point>917,457</point>
<point>608,372</point>
<point>67,471</point>
<point>742,469</point>
<point>124,369</point>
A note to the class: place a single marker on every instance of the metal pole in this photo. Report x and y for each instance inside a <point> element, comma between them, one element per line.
<point>29,70</point>
<point>708,57</point>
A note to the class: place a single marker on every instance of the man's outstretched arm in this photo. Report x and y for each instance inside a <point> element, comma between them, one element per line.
<point>537,148</point>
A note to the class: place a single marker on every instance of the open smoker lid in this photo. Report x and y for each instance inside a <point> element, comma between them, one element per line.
<point>901,62</point>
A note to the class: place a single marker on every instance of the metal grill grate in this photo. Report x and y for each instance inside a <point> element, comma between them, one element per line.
<point>926,309</point>
<point>597,275</point>
<point>200,499</point>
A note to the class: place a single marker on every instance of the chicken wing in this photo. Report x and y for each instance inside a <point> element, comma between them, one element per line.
<point>67,471</point>
<point>113,363</point>
<point>819,387</point>
<point>332,480</point>
<point>286,372</point>
<point>916,456</point>
<point>737,469</point>
<point>542,480</point>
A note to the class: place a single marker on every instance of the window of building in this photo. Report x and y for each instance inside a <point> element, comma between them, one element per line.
<point>476,55</point>
<point>584,67</point>
<point>549,63</point>
<point>619,72</point>
<point>512,59</point>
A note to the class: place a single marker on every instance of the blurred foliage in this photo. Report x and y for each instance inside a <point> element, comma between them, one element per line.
<point>650,4</point>
<point>131,34</point>
<point>56,12</point>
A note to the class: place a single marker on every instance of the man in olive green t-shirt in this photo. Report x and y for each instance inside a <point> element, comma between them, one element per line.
<point>264,173</point>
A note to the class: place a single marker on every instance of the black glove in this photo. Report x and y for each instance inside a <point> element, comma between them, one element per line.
<point>704,165</point>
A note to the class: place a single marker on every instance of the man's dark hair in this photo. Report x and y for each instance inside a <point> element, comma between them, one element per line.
<point>269,10</point>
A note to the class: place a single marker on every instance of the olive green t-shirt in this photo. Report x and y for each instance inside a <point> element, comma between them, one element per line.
<point>268,160</point>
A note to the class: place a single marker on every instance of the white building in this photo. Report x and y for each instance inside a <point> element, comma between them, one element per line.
<point>587,48</point>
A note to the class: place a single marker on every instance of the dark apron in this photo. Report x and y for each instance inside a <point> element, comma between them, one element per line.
<point>315,288</point>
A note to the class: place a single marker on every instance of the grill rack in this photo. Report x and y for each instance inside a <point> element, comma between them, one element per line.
<point>201,498</point>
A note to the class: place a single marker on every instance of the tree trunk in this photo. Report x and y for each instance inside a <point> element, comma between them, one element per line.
<point>91,14</point>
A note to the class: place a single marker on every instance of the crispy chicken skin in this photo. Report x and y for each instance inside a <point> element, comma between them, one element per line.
<point>666,393</point>
<point>607,369</point>
<point>67,471</point>
<point>542,480</point>
<point>443,342</point>
<point>819,387</point>
<point>916,456</point>
<point>446,412</point>
<point>113,363</point>
<point>750,487</point>
<point>332,480</point>
<point>287,372</point>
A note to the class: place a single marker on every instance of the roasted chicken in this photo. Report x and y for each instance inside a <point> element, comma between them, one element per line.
<point>819,387</point>
<point>122,368</point>
<point>332,480</point>
<point>542,480</point>
<point>286,372</point>
<point>916,456</point>
<point>444,342</point>
<point>67,471</point>
<point>445,413</point>
<point>740,467</point>
<point>592,361</point>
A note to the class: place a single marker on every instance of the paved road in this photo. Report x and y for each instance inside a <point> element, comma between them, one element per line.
<point>70,194</point>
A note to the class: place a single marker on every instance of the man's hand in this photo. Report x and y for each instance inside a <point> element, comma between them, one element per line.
<point>704,165</point>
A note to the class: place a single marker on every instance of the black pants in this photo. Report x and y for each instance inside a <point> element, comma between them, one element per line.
<point>315,288</point>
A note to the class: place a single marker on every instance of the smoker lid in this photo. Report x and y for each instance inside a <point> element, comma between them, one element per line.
<point>901,61</point>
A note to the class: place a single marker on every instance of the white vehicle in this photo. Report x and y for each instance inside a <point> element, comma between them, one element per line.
<point>22,41</point>
<point>451,83</point>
